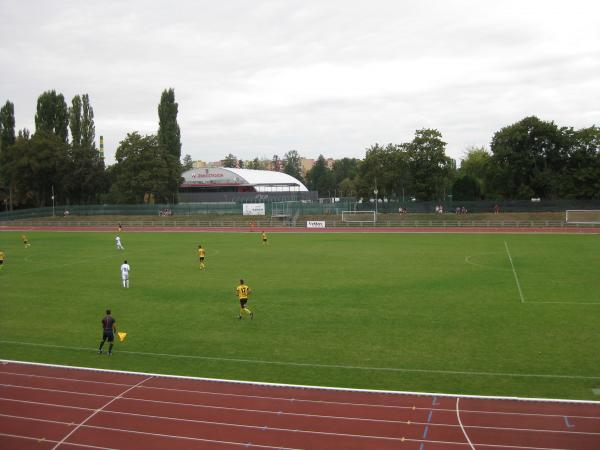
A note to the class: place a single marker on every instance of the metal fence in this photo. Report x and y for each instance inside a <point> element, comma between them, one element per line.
<point>296,208</point>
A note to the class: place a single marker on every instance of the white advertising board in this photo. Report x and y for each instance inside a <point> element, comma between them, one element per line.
<point>254,209</point>
<point>315,224</point>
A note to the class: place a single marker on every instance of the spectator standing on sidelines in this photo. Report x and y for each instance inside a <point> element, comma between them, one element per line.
<point>125,274</point>
<point>109,329</point>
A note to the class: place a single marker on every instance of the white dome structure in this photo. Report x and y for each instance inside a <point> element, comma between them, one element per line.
<point>223,179</point>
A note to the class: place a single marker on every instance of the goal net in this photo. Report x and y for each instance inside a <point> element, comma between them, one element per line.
<point>583,216</point>
<point>359,216</point>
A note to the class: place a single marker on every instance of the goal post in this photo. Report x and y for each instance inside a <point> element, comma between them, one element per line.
<point>583,216</point>
<point>359,216</point>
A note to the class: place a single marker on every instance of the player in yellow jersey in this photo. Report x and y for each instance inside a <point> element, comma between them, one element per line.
<point>201,256</point>
<point>263,236</point>
<point>26,243</point>
<point>1,259</point>
<point>243,291</point>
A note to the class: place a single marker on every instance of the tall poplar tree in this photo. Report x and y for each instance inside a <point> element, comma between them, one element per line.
<point>52,116</point>
<point>7,140</point>
<point>169,134</point>
<point>75,121</point>
<point>88,129</point>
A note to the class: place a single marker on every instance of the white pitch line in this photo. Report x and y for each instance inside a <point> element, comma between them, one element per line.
<point>514,273</point>
<point>98,410</point>
<point>319,366</point>
<point>461,425</point>
<point>300,386</point>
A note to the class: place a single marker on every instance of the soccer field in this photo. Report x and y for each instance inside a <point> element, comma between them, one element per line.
<point>513,315</point>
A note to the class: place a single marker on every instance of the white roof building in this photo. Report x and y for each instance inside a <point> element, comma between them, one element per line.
<point>213,179</point>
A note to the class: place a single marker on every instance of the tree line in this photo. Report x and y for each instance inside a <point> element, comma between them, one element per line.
<point>527,159</point>
<point>60,160</point>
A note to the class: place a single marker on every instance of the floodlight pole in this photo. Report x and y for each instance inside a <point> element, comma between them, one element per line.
<point>52,200</point>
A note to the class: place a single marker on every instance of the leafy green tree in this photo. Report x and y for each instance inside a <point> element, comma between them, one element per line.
<point>187,163</point>
<point>292,165</point>
<point>52,116</point>
<point>253,164</point>
<point>320,178</point>
<point>169,134</point>
<point>145,171</point>
<point>527,158</point>
<point>476,164</point>
<point>466,188</point>
<point>7,140</point>
<point>38,164</point>
<point>580,176</point>
<point>88,128</point>
<point>230,161</point>
<point>347,187</point>
<point>75,121</point>
<point>345,168</point>
<point>430,169</point>
<point>384,169</point>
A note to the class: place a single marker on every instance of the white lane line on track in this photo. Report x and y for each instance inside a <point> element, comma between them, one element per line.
<point>279,413</point>
<point>514,273</point>
<point>110,431</point>
<point>269,398</point>
<point>319,366</point>
<point>245,444</point>
<point>461,425</point>
<point>51,441</point>
<point>98,410</point>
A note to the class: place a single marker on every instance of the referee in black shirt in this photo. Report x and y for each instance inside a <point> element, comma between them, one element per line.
<point>108,332</point>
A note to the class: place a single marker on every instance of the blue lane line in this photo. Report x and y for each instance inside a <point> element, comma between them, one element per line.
<point>426,430</point>
<point>567,423</point>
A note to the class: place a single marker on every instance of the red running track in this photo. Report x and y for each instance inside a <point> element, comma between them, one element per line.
<point>57,407</point>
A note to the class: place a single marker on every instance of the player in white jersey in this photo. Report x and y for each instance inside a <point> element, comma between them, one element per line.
<point>118,242</point>
<point>125,274</point>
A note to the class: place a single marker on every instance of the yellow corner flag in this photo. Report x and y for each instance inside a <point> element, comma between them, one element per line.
<point>121,336</point>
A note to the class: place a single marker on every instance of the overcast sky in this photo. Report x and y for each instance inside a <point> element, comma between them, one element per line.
<point>257,78</point>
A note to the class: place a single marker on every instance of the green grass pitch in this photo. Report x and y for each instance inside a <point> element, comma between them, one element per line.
<point>415,312</point>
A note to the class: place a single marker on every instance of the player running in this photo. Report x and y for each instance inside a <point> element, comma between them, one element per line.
<point>125,274</point>
<point>1,259</point>
<point>201,256</point>
<point>263,236</point>
<point>109,329</point>
<point>243,291</point>
<point>26,243</point>
<point>118,242</point>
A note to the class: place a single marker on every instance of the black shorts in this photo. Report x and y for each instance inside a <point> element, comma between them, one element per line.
<point>1,262</point>
<point>108,335</point>
<point>243,302</point>
<point>201,259</point>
